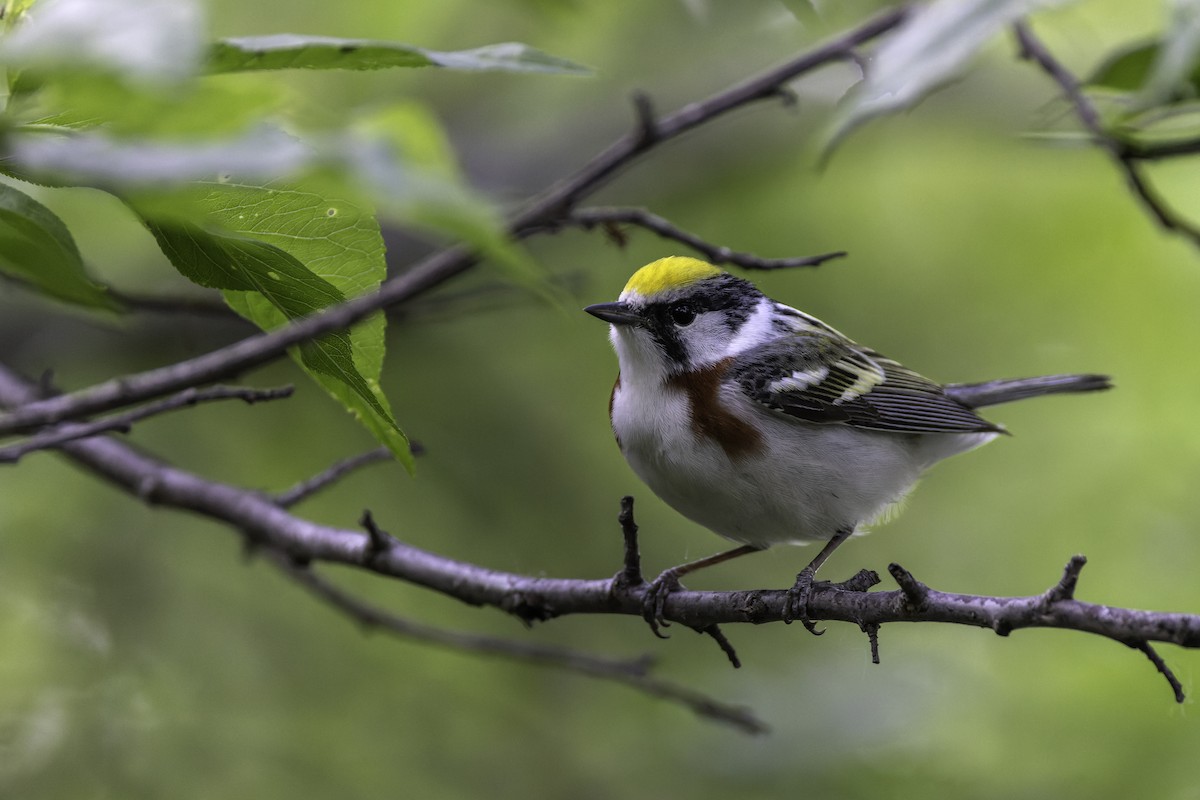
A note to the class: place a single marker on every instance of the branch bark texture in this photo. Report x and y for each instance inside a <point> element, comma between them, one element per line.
<point>531,598</point>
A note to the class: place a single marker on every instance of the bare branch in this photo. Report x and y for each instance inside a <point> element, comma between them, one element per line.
<point>723,642</point>
<point>589,218</point>
<point>633,673</point>
<point>309,487</point>
<point>1162,667</point>
<point>544,209</point>
<point>631,572</point>
<point>1152,151</point>
<point>1126,158</point>
<point>535,598</point>
<point>199,305</point>
<point>871,629</point>
<point>123,423</point>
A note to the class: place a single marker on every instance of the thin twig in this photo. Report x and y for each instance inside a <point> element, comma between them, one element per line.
<point>307,488</point>
<point>123,423</point>
<point>378,540</point>
<point>371,617</point>
<point>589,218</point>
<point>1155,659</point>
<point>633,673</point>
<point>723,642</point>
<point>631,572</point>
<point>201,306</point>
<point>871,629</point>
<point>542,210</point>
<point>1126,158</point>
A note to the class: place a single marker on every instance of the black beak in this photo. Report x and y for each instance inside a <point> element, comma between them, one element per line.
<point>616,313</point>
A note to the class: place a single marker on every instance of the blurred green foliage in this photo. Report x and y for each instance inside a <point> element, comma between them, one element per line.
<point>141,655</point>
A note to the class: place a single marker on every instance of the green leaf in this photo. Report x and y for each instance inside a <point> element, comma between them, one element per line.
<point>402,158</point>
<point>37,248</point>
<point>282,253</point>
<point>148,41</point>
<point>931,48</point>
<point>411,136</point>
<point>290,51</point>
<point>95,159</point>
<point>189,112</point>
<point>1175,61</point>
<point>1126,70</point>
<point>1160,73</point>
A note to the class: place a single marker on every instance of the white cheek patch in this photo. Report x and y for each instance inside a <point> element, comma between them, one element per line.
<point>704,340</point>
<point>800,380</point>
<point>758,328</point>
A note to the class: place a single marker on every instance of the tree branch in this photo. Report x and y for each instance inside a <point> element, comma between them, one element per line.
<point>309,487</point>
<point>543,210</point>
<point>1125,157</point>
<point>123,423</point>
<point>630,672</point>
<point>534,598</point>
<point>610,218</point>
<point>292,542</point>
<point>197,305</point>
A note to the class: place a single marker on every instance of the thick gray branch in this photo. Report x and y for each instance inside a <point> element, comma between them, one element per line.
<point>535,598</point>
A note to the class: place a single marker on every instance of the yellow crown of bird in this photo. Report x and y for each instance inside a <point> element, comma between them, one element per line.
<point>673,272</point>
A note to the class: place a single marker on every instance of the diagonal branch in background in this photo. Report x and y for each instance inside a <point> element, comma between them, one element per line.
<point>533,598</point>
<point>544,209</point>
<point>611,218</point>
<point>322,480</point>
<point>122,423</point>
<point>291,542</point>
<point>1127,158</point>
<point>633,673</point>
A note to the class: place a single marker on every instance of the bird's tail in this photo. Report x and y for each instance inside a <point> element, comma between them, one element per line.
<point>990,393</point>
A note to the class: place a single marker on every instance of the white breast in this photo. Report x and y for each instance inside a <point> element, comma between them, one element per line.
<point>812,481</point>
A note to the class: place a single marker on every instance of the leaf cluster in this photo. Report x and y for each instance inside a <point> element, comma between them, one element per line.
<point>130,97</point>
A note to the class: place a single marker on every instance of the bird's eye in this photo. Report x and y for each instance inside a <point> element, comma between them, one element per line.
<point>682,314</point>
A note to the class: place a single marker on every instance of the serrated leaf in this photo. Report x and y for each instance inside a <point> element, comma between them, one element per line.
<point>37,248</point>
<point>291,51</point>
<point>280,253</point>
<point>931,48</point>
<point>150,41</point>
<point>366,347</point>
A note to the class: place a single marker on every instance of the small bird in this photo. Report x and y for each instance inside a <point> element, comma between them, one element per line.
<point>767,426</point>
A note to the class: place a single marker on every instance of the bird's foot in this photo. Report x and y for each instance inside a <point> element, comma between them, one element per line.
<point>796,604</point>
<point>655,600</point>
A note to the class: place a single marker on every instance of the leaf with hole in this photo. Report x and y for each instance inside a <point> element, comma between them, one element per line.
<point>282,253</point>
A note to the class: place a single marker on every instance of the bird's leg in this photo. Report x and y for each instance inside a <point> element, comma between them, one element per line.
<point>655,600</point>
<point>796,605</point>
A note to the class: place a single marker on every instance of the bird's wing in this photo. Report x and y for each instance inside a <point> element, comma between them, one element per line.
<point>821,377</point>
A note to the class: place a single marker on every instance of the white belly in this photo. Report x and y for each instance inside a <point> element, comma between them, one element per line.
<point>812,481</point>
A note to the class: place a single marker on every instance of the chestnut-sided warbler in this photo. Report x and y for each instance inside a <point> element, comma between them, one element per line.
<point>767,426</point>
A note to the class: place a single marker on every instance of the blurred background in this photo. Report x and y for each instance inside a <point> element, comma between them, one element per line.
<point>143,655</point>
